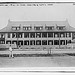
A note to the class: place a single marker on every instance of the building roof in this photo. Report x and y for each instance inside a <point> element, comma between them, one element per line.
<point>37,23</point>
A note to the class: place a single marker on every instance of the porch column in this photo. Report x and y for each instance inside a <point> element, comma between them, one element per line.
<point>29,38</point>
<point>11,35</point>
<point>17,39</point>
<point>5,37</point>
<point>35,34</point>
<point>41,38</point>
<point>47,38</point>
<point>59,40</point>
<point>53,38</point>
<point>71,36</point>
<point>23,37</point>
<point>35,38</point>
<point>65,38</point>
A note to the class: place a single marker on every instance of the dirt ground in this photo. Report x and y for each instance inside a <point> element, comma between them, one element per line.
<point>41,61</point>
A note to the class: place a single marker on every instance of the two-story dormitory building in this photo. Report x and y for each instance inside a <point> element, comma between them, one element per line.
<point>37,34</point>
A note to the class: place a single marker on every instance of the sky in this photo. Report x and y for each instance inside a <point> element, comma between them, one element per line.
<point>56,12</point>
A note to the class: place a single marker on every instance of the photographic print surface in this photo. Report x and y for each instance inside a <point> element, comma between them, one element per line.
<point>37,34</point>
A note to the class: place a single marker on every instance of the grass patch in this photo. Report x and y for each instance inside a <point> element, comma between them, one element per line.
<point>36,55</point>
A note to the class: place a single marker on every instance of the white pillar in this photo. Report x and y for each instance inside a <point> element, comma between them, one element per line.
<point>41,38</point>
<point>71,36</point>
<point>29,35</point>
<point>35,38</point>
<point>35,35</point>
<point>59,40</point>
<point>23,37</point>
<point>29,38</point>
<point>5,37</point>
<point>65,38</point>
<point>11,35</point>
<point>47,38</point>
<point>53,38</point>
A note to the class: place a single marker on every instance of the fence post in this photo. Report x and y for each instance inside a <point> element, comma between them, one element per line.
<point>49,51</point>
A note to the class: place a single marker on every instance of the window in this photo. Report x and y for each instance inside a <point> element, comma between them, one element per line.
<point>56,42</point>
<point>38,42</point>
<point>8,35</point>
<point>49,27</point>
<point>14,35</point>
<point>26,42</point>
<point>15,28</point>
<point>26,35</point>
<point>44,42</point>
<point>32,42</point>
<point>20,42</point>
<point>62,42</point>
<point>2,42</point>
<point>38,35</point>
<point>62,34</point>
<point>19,35</point>
<point>8,42</point>
<point>50,42</point>
<point>68,41</point>
<point>27,27</point>
<point>32,35</point>
<point>18,28</point>
<point>38,28</point>
<point>60,27</point>
<point>14,42</point>
<point>56,34</point>
<point>73,36</point>
<point>68,34</point>
<point>2,36</point>
<point>50,34</point>
<point>44,35</point>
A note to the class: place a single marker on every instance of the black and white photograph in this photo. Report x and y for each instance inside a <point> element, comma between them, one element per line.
<point>37,34</point>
